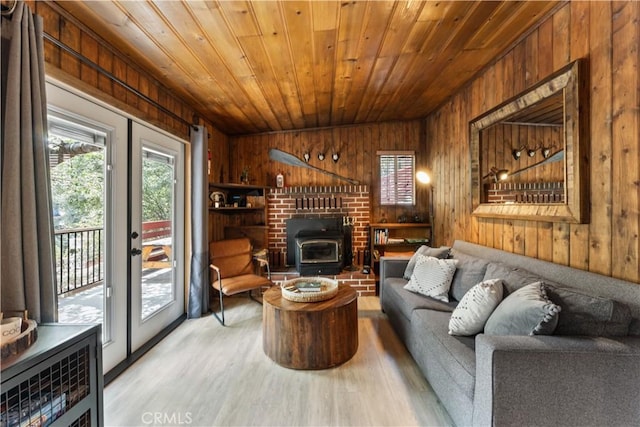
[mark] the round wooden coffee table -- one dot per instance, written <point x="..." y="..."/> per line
<point x="314" y="335"/>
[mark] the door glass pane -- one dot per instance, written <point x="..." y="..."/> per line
<point x="77" y="158"/>
<point x="157" y="288"/>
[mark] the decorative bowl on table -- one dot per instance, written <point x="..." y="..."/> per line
<point x="309" y="289"/>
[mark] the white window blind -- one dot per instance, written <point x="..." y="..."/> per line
<point x="67" y="129"/>
<point x="397" y="178"/>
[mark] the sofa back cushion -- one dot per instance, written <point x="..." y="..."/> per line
<point x="595" y="284"/>
<point x="588" y="315"/>
<point x="469" y="272"/>
<point x="513" y="278"/>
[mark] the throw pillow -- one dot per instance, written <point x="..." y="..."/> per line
<point x="589" y="315"/>
<point x="432" y="277"/>
<point x="442" y="252"/>
<point x="475" y="307"/>
<point x="471" y="270"/>
<point x="527" y="311"/>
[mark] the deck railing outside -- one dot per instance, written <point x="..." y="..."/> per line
<point x="80" y="254"/>
<point x="79" y="258"/>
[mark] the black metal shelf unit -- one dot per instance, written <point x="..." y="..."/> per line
<point x="57" y="381"/>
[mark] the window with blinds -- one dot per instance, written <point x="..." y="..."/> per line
<point x="397" y="184"/>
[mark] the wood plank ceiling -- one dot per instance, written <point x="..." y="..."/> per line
<point x="256" y="66"/>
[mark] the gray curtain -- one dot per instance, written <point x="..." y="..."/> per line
<point x="199" y="284"/>
<point x="28" y="279"/>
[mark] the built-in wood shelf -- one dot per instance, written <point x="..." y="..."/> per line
<point x="397" y="237"/>
<point x="229" y="222"/>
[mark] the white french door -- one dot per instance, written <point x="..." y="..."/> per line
<point x="119" y="208"/>
<point x="88" y="208"/>
<point x="157" y="224"/>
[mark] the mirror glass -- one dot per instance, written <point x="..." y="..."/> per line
<point x="529" y="156"/>
<point x="522" y="156"/>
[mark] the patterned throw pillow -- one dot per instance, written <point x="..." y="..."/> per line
<point x="432" y="277"/>
<point x="442" y="252"/>
<point x="475" y="307"/>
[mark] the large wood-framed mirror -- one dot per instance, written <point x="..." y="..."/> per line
<point x="529" y="155"/>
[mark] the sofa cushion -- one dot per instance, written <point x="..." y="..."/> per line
<point x="469" y="271"/>
<point x="587" y="314"/>
<point x="513" y="277"/>
<point x="398" y="304"/>
<point x="431" y="342"/>
<point x="475" y="307"/>
<point x="406" y="301"/>
<point x="432" y="277"/>
<point x="442" y="252"/>
<point x="527" y="311"/>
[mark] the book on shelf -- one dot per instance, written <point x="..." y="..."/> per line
<point x="381" y="236"/>
<point x="41" y="409"/>
<point x="422" y="240"/>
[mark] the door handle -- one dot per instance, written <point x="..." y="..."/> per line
<point x="135" y="251"/>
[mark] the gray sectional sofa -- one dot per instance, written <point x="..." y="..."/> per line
<point x="543" y="380"/>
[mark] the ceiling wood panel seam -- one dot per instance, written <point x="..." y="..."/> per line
<point x="358" y="111"/>
<point x="240" y="84"/>
<point x="153" y="40"/>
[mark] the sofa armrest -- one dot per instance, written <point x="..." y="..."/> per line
<point x="391" y="267"/>
<point x="553" y="380"/>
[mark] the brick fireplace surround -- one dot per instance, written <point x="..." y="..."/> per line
<point x="320" y="202"/>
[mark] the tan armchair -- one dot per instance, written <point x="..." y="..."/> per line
<point x="234" y="271"/>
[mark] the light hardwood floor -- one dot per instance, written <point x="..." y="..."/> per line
<point x="204" y="374"/>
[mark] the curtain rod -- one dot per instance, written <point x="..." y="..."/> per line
<point x="108" y="74"/>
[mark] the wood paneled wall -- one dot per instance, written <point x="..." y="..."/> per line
<point x="608" y="35"/>
<point x="357" y="146"/>
<point x="65" y="67"/>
